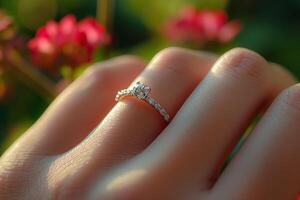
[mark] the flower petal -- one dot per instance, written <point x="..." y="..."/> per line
<point x="229" y="31"/>
<point x="95" y="32"/>
<point x="211" y="22"/>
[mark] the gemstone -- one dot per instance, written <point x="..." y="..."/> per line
<point x="151" y="101"/>
<point x="141" y="90"/>
<point x="163" y="112"/>
<point x="157" y="106"/>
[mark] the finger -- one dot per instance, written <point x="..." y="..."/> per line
<point x="131" y="125"/>
<point x="204" y="132"/>
<point x="267" y="166"/>
<point x="81" y="106"/>
<point x="283" y="77"/>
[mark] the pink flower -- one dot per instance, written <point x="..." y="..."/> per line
<point x="93" y="31"/>
<point x="202" y="26"/>
<point x="67" y="42"/>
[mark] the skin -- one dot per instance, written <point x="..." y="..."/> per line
<point x="133" y="154"/>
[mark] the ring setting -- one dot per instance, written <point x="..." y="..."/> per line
<point x="142" y="92"/>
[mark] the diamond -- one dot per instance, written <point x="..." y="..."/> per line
<point x="163" y="112"/>
<point x="141" y="90"/>
<point x="157" y="106"/>
<point x="151" y="101"/>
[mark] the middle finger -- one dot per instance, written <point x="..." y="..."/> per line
<point x="193" y="147"/>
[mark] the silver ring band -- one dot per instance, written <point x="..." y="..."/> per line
<point x="142" y="91"/>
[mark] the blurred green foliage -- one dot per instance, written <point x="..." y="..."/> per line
<point x="272" y="28"/>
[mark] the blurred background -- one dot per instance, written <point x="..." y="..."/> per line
<point x="45" y="45"/>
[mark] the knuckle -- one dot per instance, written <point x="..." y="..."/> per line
<point x="177" y="60"/>
<point x="98" y="71"/>
<point x="290" y="98"/>
<point x="243" y="62"/>
<point x="104" y="74"/>
<point x="171" y="53"/>
<point x="132" y="60"/>
<point x="110" y="65"/>
<point x="97" y="76"/>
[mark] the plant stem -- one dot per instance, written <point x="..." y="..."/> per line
<point x="105" y="13"/>
<point x="105" y="9"/>
<point x="29" y="75"/>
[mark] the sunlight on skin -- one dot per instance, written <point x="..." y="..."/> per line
<point x="124" y="179"/>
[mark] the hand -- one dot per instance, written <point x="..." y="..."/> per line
<point x="134" y="154"/>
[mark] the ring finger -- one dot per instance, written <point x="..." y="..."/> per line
<point x="132" y="125"/>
